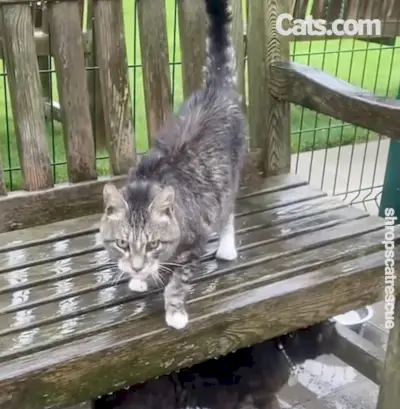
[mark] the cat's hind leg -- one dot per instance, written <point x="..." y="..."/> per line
<point x="227" y="247"/>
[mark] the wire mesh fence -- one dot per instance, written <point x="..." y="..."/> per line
<point x="343" y="160"/>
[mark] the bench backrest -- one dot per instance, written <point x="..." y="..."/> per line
<point x="95" y="104"/>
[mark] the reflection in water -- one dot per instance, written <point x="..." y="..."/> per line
<point x="16" y="257"/>
<point x="64" y="286"/>
<point x="62" y="266"/>
<point x="61" y="246"/>
<point x="22" y="318"/>
<point x="66" y="307"/>
<point x="24" y="338"/>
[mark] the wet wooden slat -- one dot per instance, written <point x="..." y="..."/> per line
<point x="257" y="203"/>
<point x="253" y="242"/>
<point x="107" y="307"/>
<point x="221" y="322"/>
<point x="69" y="322"/>
<point x="114" y="81"/>
<point x="155" y="60"/>
<point x="30" y="236"/>
<point x="67" y="49"/>
<point x="192" y="34"/>
<point x="316" y="90"/>
<point x="26" y="96"/>
<point x="287" y="243"/>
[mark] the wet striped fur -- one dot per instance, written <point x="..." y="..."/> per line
<point x="184" y="189"/>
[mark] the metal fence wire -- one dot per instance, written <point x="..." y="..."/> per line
<point x="343" y="160"/>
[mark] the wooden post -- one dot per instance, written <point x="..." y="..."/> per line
<point x="42" y="23"/>
<point x="238" y="44"/>
<point x="256" y="69"/>
<point x="192" y="30"/>
<point x="114" y="80"/>
<point x="26" y="96"/>
<point x="155" y="61"/>
<point x="276" y="146"/>
<point x="389" y="393"/>
<point x="300" y="8"/>
<point x="93" y="81"/>
<point x="269" y="116"/>
<point x="68" y="51"/>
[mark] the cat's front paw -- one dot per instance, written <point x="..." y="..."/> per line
<point x="139" y="286"/>
<point x="177" y="319"/>
<point x="226" y="251"/>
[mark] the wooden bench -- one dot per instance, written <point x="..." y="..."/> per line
<point x="70" y="330"/>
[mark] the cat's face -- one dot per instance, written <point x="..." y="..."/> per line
<point x="139" y="233"/>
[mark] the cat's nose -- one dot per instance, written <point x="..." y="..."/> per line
<point x="137" y="263"/>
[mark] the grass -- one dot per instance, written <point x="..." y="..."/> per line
<point x="374" y="67"/>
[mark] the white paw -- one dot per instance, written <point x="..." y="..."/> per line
<point x="177" y="319"/>
<point x="226" y="251"/>
<point x="137" y="285"/>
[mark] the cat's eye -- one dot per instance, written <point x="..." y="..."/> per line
<point x="122" y="244"/>
<point x="152" y="245"/>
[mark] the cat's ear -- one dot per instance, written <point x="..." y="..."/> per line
<point x="115" y="205"/>
<point x="163" y="203"/>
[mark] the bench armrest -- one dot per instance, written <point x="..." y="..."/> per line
<point x="323" y="93"/>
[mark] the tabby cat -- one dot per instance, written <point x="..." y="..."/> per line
<point x="184" y="189"/>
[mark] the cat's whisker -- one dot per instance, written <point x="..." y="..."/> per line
<point x="164" y="268"/>
<point x="117" y="278"/>
<point x="158" y="278"/>
<point x="172" y="264"/>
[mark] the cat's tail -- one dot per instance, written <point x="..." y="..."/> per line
<point x="220" y="64"/>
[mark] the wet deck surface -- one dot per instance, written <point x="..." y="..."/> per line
<point x="70" y="330"/>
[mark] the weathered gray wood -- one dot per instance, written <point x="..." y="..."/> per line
<point x="20" y="210"/>
<point x="49" y="233"/>
<point x="40" y="18"/>
<point x="192" y="33"/>
<point x="316" y="90"/>
<point x="67" y="45"/>
<point x="25" y="209"/>
<point x="253" y="241"/>
<point x="359" y="353"/>
<point x="390" y="29"/>
<point x="275" y="144"/>
<point x="256" y="73"/>
<point x="93" y="81"/>
<point x="324" y="291"/>
<point x="155" y="61"/>
<point x="26" y="96"/>
<point x="114" y="80"/>
<point x="238" y="43"/>
<point x="299" y="8"/>
<point x="389" y="393"/>
<point x="298" y="250"/>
